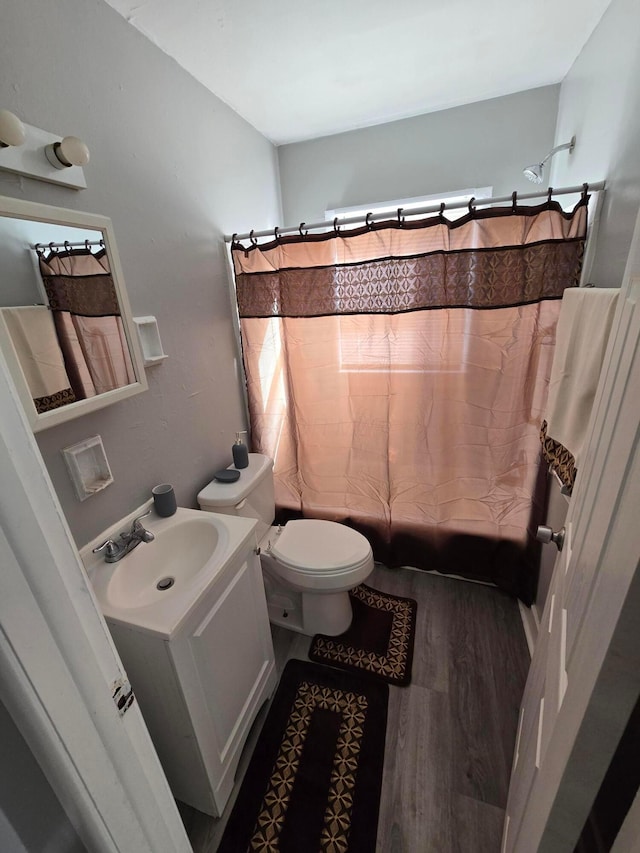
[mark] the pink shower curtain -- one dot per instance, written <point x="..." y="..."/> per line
<point x="397" y="374"/>
<point x="84" y="303"/>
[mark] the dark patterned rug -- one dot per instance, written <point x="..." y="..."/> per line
<point x="379" y="641"/>
<point x="313" y="782"/>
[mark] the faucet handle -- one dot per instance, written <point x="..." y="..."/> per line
<point x="135" y="525"/>
<point x="137" y="528"/>
<point x="109" y="547"/>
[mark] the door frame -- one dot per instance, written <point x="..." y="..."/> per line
<point x="603" y="666"/>
<point x="58" y="665"/>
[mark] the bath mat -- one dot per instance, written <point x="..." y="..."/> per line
<point x="379" y="641"/>
<point x="313" y="782"/>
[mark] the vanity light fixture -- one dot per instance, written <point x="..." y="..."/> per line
<point x="535" y="171"/>
<point x="27" y="150"/>
<point x="12" y="132"/>
<point x="71" y="151"/>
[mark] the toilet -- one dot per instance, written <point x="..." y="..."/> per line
<point x="308" y="565"/>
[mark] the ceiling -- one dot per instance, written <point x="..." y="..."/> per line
<point x="299" y="69"/>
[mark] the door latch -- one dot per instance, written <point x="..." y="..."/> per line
<point x="123" y="695"/>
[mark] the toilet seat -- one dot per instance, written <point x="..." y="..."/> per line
<point x="316" y="547"/>
<point x="317" y="556"/>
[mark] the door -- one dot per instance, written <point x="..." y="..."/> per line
<point x="58" y="666"/>
<point x="585" y="673"/>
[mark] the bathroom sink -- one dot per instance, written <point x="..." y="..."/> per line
<point x="158" y="569"/>
<point x="156" y="585"/>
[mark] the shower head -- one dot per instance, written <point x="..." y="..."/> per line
<point x="536" y="170"/>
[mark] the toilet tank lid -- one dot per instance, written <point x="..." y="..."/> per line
<point x="229" y="494"/>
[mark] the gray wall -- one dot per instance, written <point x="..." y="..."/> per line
<point x="482" y="144"/>
<point x="174" y="168"/>
<point x="31" y="817"/>
<point x="600" y="104"/>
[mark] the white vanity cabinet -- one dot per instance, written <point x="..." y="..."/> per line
<point x="200" y="688"/>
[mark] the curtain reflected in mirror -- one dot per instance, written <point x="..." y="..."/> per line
<point x="86" y="315"/>
<point x="71" y="345"/>
<point x="74" y="347"/>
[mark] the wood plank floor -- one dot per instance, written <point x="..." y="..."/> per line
<point x="450" y="734"/>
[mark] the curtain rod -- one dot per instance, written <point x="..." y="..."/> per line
<point x="66" y="245"/>
<point x="418" y="211"/>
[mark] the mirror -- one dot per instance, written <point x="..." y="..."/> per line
<point x="66" y="330"/>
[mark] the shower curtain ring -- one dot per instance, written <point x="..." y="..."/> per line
<point x="335" y="226"/>
<point x="441" y="211"/>
<point x="254" y="242"/>
<point x="39" y="249"/>
<point x="400" y="216"/>
<point x="471" y="207"/>
<point x="233" y="237"/>
<point x="87" y="247"/>
<point x="514" y="200"/>
<point x="67" y="246"/>
<point x="300" y="227"/>
<point x="585" y="190"/>
<point x="367" y="220"/>
<point x="276" y="234"/>
<point x="549" y="194"/>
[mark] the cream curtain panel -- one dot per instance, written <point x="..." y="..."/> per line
<point x="397" y="375"/>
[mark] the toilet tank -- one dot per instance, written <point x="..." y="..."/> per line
<point x="250" y="497"/>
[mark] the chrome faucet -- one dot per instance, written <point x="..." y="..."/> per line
<point x="116" y="550"/>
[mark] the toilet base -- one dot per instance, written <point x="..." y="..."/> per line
<point x="328" y="613"/>
<point x="284" y="610"/>
<point x="306" y="612"/>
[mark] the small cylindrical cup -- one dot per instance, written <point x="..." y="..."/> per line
<point x="164" y="499"/>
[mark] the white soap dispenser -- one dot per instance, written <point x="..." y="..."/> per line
<point x="240" y="452"/>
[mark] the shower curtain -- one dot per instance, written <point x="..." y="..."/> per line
<point x="84" y="304"/>
<point x="396" y="374"/>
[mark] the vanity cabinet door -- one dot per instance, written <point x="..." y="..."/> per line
<point x="227" y="669"/>
<point x="233" y="651"/>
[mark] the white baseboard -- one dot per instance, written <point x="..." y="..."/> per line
<point x="531" y="624"/>
<point x="529" y="615"/>
<point x="444" y="575"/>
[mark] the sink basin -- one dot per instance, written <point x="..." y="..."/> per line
<point x="178" y="553"/>
<point x="158" y="583"/>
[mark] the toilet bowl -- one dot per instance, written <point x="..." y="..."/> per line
<point x="308" y="565"/>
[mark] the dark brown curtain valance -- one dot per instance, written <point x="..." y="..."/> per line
<point x="475" y="278"/>
<point x="81" y="283"/>
<point x="91" y="296"/>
